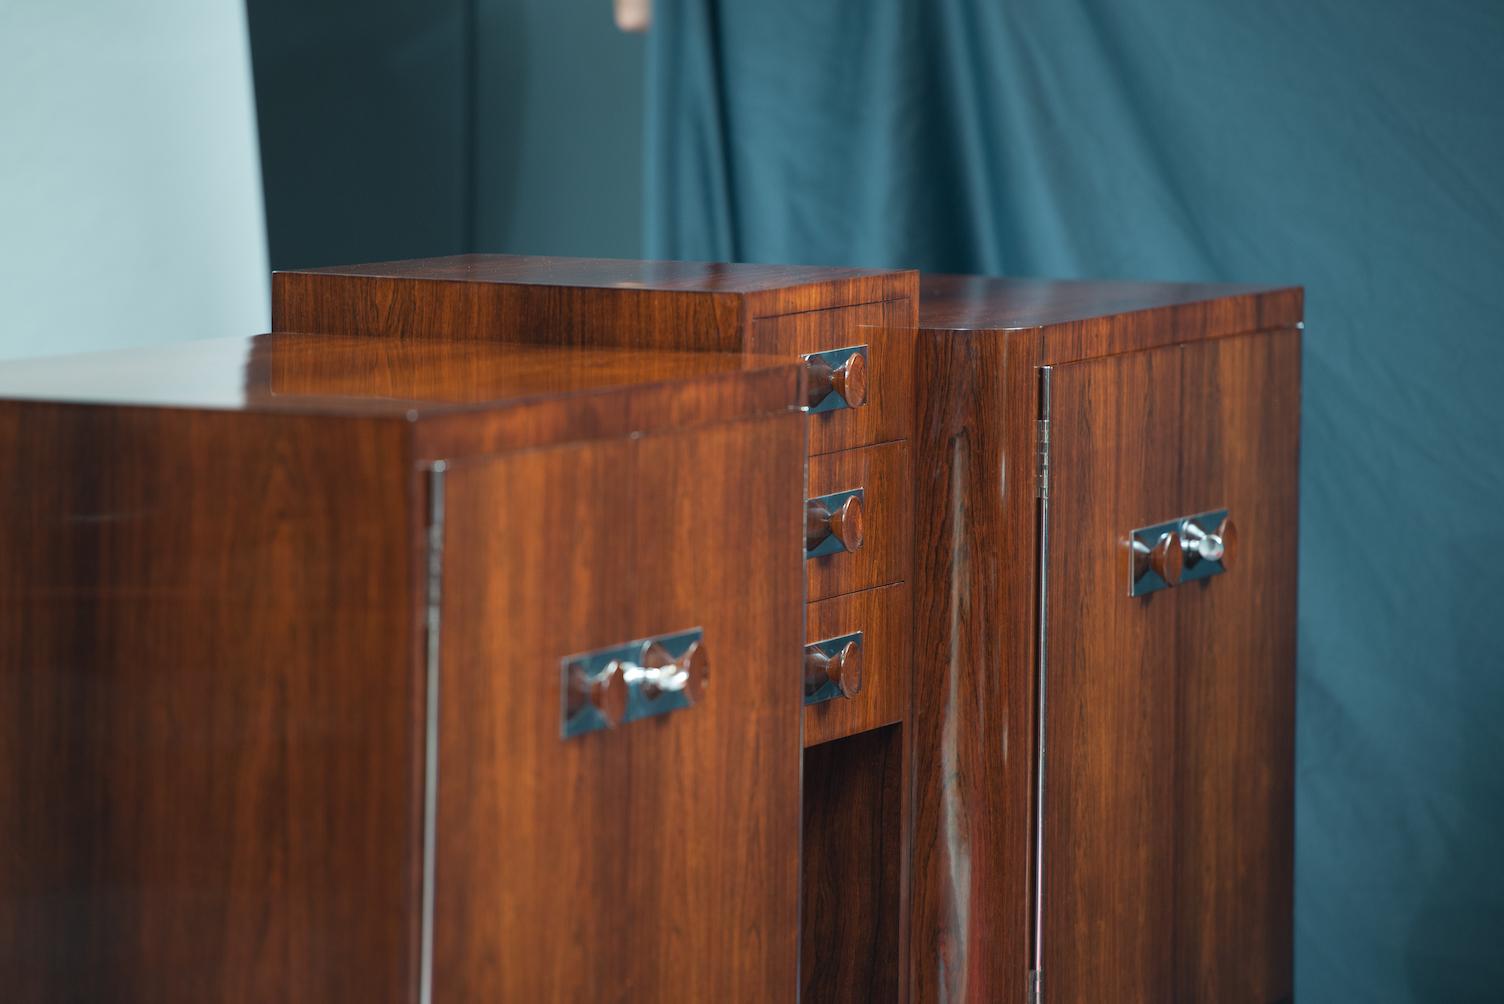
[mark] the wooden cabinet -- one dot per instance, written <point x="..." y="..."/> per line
<point x="528" y="629"/>
<point x="1055" y="420"/>
<point x="284" y="641"/>
<point x="854" y="332"/>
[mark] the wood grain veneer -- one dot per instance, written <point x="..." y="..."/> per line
<point x="1110" y="827"/>
<point x="1081" y="319"/>
<point x="206" y="708"/>
<point x="852" y="946"/>
<point x="1235" y="728"/>
<point x="213" y="646"/>
<point x="980" y="346"/>
<point x="655" y="861"/>
<point x="771" y="310"/>
<point x="763" y="309"/>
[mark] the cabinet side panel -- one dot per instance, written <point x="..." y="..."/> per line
<point x="972" y="718"/>
<point x="548" y="315"/>
<point x="1236" y="649"/>
<point x="1109" y="821"/>
<point x="205" y="694"/>
<point x="657" y="860"/>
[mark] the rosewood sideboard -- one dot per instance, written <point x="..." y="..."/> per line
<point x="549" y="629"/>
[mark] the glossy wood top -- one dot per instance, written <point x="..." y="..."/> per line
<point x="611" y="273"/>
<point x="977" y="302"/>
<point x="1084" y="319"/>
<point x="373" y="376"/>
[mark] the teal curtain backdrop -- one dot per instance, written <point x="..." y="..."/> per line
<point x="400" y="129"/>
<point x="1354" y="148"/>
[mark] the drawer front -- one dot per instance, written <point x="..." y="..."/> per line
<point x="887" y="330"/>
<point x="883" y="617"/>
<point x="883" y="476"/>
<point x="569" y="868"/>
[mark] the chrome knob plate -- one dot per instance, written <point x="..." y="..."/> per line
<point x="663" y="673"/>
<point x="1203" y="552"/>
<point x="830" y="648"/>
<point x="830" y="543"/>
<point x="831" y="361"/>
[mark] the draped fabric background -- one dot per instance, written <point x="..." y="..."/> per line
<point x="1354" y="148"/>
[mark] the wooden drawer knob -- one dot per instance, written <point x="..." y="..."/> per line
<point x="849" y="380"/>
<point x="607" y="692"/>
<point x="844" y="669"/>
<point x="844" y="523"/>
<point x="1165" y="558"/>
<point x="1227" y="533"/>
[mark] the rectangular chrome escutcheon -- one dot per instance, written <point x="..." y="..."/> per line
<point x="1179" y="551"/>
<point x="828" y="373"/>
<point x="622" y="683"/>
<point x="829" y="662"/>
<point x="826" y="507"/>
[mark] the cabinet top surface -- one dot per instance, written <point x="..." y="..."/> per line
<point x="611" y="273"/>
<point x="379" y="376"/>
<point x="976" y="303"/>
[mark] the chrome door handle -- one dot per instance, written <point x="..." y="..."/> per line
<point x="1180" y="550"/>
<point x="642" y="678"/>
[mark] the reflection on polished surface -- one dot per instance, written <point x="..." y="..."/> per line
<point x="979" y="302"/>
<point x="365" y="375"/>
<point x="600" y="273"/>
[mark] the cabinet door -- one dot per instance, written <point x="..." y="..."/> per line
<point x="1235" y="652"/>
<point x="1169" y="723"/>
<point x="656" y="860"/>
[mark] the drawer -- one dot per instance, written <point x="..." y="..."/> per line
<point x="886" y="329"/>
<point x="883" y="475"/>
<point x="883" y="617"/>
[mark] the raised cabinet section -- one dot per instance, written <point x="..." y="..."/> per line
<point x="1168" y="809"/>
<point x="852" y="332"/>
<point x="652" y="860"/>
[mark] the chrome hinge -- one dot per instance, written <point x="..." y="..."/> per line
<point x="1036" y="987"/>
<point x="1042" y="458"/>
